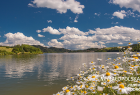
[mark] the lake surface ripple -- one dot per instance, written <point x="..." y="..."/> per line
<point x="43" y="74"/>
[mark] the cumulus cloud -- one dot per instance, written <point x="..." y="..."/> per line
<point x="60" y="5"/>
<point x="38" y="31"/>
<point x="134" y="4"/>
<point x="51" y="30"/>
<point x="71" y="30"/>
<point x="120" y="14"/>
<point x="49" y="21"/>
<point x="76" y="18"/>
<point x="55" y="43"/>
<point x="39" y="35"/>
<point x="73" y="38"/>
<point x="19" y="38"/>
<point x="116" y="33"/>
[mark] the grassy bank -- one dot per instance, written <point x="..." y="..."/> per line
<point x="19" y="49"/>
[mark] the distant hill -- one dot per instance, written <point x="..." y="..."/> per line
<point x="37" y="49"/>
<point x="135" y="47"/>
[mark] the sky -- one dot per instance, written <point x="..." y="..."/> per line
<point x="70" y="24"/>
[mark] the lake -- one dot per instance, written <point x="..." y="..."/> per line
<point x="43" y="74"/>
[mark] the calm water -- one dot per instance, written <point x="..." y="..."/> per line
<point x="43" y="74"/>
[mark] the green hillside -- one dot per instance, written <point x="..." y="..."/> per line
<point x="19" y="49"/>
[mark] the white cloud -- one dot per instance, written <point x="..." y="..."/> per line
<point x="116" y="33"/>
<point x="134" y="4"/>
<point x="112" y="17"/>
<point x="76" y="18"/>
<point x="19" y="38"/>
<point x="101" y="42"/>
<point x="38" y="31"/>
<point x="120" y="14"/>
<point x="0" y="35"/>
<point x="71" y="30"/>
<point x="115" y="23"/>
<point x="120" y="43"/>
<point x="51" y="30"/>
<point x="60" y="5"/>
<point x="55" y="43"/>
<point x="73" y="38"/>
<point x="49" y="21"/>
<point x="98" y="14"/>
<point x="39" y="35"/>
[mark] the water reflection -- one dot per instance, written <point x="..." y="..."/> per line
<point x="44" y="70"/>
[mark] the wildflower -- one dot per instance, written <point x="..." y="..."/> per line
<point x="99" y="88"/>
<point x="99" y="59"/>
<point x="59" y="93"/>
<point x="65" y="88"/>
<point x="68" y="92"/>
<point x="130" y="43"/>
<point x="92" y="62"/>
<point x="121" y="89"/>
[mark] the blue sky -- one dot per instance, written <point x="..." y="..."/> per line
<point x="71" y="24"/>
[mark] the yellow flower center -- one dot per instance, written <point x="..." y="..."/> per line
<point x="93" y="68"/>
<point x="113" y="64"/>
<point x="91" y="87"/>
<point x="71" y="87"/>
<point x="124" y="71"/>
<point x="93" y="76"/>
<point x="121" y="86"/>
<point x="132" y="65"/>
<point x="81" y="86"/>
<point x="119" y="63"/>
<point x="86" y="86"/>
<point x="107" y="74"/>
<point x="85" y="92"/>
<point x="104" y="83"/>
<point x="67" y="91"/>
<point x="136" y="57"/>
<point x="108" y="80"/>
<point x="58" y="94"/>
<point x="114" y="73"/>
<point x="116" y="67"/>
<point x="93" y="90"/>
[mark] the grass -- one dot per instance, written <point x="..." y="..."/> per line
<point x="7" y="49"/>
